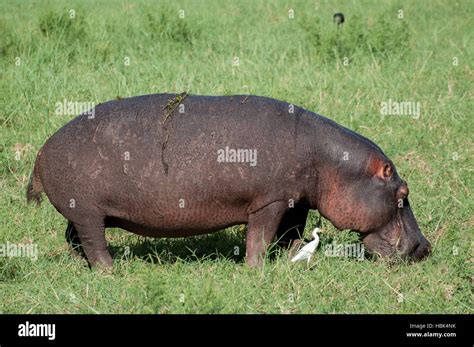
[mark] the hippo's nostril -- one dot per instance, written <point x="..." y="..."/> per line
<point x="403" y="191"/>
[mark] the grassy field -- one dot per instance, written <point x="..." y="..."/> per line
<point x="93" y="51"/>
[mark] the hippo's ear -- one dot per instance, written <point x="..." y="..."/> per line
<point x="380" y="168"/>
<point x="387" y="171"/>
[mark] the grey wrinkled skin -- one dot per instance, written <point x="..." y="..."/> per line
<point x="150" y="169"/>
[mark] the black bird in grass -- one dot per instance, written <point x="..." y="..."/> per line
<point x="338" y="18"/>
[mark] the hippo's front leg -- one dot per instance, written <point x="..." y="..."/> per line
<point x="291" y="228"/>
<point x="261" y="229"/>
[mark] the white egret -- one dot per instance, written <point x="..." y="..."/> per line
<point x="307" y="251"/>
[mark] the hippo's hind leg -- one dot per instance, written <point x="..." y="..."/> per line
<point x="292" y="225"/>
<point x="94" y="245"/>
<point x="261" y="229"/>
<point x="74" y="242"/>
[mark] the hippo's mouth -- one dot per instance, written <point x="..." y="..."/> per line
<point x="400" y="237"/>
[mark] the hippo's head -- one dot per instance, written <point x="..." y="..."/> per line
<point x="368" y="196"/>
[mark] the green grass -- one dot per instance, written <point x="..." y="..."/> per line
<point x="299" y="60"/>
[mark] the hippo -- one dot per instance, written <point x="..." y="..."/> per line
<point x="178" y="165"/>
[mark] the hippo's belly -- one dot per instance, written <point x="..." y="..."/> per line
<point x="180" y="224"/>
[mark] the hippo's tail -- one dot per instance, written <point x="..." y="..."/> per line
<point x="35" y="188"/>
